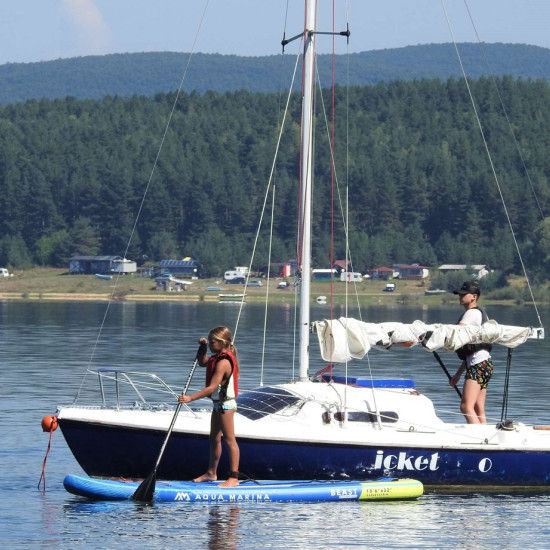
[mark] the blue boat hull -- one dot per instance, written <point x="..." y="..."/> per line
<point x="105" y="451"/>
<point x="264" y="491"/>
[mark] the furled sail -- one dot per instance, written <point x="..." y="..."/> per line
<point x="343" y="339"/>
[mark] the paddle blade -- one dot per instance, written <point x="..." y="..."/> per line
<point x="146" y="489"/>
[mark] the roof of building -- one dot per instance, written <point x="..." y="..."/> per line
<point x="178" y="263"/>
<point x="410" y="266"/>
<point x="96" y="258"/>
<point x="381" y="269"/>
<point x="342" y="263"/>
<point x="459" y="267"/>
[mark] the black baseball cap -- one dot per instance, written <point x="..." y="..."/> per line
<point x="469" y="287"/>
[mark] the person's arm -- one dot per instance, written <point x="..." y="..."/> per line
<point x="202" y="355"/>
<point x="454" y="379"/>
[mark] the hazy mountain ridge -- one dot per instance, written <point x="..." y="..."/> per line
<point x="147" y="74"/>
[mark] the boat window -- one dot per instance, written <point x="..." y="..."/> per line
<point x="385" y="416"/>
<point x="260" y="402"/>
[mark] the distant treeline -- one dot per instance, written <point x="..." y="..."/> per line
<point x="125" y="75"/>
<point x="73" y="174"/>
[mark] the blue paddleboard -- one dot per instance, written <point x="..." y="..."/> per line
<point x="261" y="491"/>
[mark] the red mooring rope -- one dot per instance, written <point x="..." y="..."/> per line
<point x="49" y="424"/>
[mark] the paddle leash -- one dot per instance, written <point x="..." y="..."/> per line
<point x="436" y="355"/>
<point x="146" y="489"/>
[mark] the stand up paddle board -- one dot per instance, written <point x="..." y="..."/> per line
<point x="248" y="491"/>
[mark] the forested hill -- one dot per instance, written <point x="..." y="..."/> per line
<point x="73" y="175"/>
<point x="125" y="75"/>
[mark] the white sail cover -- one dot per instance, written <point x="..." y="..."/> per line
<point x="343" y="339"/>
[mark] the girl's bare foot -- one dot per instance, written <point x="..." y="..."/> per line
<point x="230" y="482"/>
<point x="205" y="477"/>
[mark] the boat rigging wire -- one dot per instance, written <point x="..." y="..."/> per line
<point x="144" y="195"/>
<point x="488" y="152"/>
<point x="264" y="336"/>
<point x="509" y="123"/>
<point x="266" y="195"/>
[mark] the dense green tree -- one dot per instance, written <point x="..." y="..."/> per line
<point x="14" y="252"/>
<point x="87" y="176"/>
<point x="55" y="249"/>
<point x="85" y="240"/>
<point x="162" y="245"/>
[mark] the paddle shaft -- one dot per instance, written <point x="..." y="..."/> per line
<point x="176" y="412"/>
<point x="436" y="355"/>
<point x="146" y="489"/>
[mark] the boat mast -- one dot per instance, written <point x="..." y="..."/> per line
<point x="306" y="181"/>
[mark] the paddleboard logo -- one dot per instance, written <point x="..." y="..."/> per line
<point x="404" y="461"/>
<point x="344" y="493"/>
<point x="219" y="497"/>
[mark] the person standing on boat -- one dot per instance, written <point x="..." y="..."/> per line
<point x="222" y="372"/>
<point x="476" y="358"/>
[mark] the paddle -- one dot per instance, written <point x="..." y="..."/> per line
<point x="436" y="355"/>
<point x="146" y="489"/>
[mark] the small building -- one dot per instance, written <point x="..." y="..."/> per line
<point x="383" y="273"/>
<point x="342" y="266"/>
<point x="323" y="274"/>
<point x="101" y="264"/>
<point x="477" y="270"/>
<point x="276" y="269"/>
<point x="171" y="284"/>
<point x="413" y="271"/>
<point x="124" y="266"/>
<point x="185" y="269"/>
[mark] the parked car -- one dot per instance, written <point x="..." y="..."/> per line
<point x="236" y="281"/>
<point x="283" y="284"/>
<point x="255" y="283"/>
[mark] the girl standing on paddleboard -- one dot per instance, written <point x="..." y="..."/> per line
<point x="222" y="372"/>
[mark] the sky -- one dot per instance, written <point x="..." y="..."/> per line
<point x="42" y="30"/>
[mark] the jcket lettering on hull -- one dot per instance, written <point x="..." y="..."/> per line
<point x="404" y="461"/>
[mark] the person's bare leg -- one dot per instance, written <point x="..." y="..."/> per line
<point x="470" y="395"/>
<point x="480" y="406"/>
<point x="215" y="449"/>
<point x="228" y="430"/>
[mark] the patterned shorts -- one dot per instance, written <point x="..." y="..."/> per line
<point x="481" y="372"/>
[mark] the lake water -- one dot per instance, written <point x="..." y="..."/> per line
<point x="46" y="347"/>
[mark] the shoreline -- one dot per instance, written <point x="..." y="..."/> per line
<point x="56" y="284"/>
<point x="419" y="300"/>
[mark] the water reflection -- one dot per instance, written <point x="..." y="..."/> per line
<point x="222" y="525"/>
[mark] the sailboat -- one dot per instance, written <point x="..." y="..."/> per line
<point x="325" y="428"/>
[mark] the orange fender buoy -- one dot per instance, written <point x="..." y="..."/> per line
<point x="49" y="423"/>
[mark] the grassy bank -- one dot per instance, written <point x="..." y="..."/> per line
<point x="49" y="283"/>
<point x="58" y="284"/>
